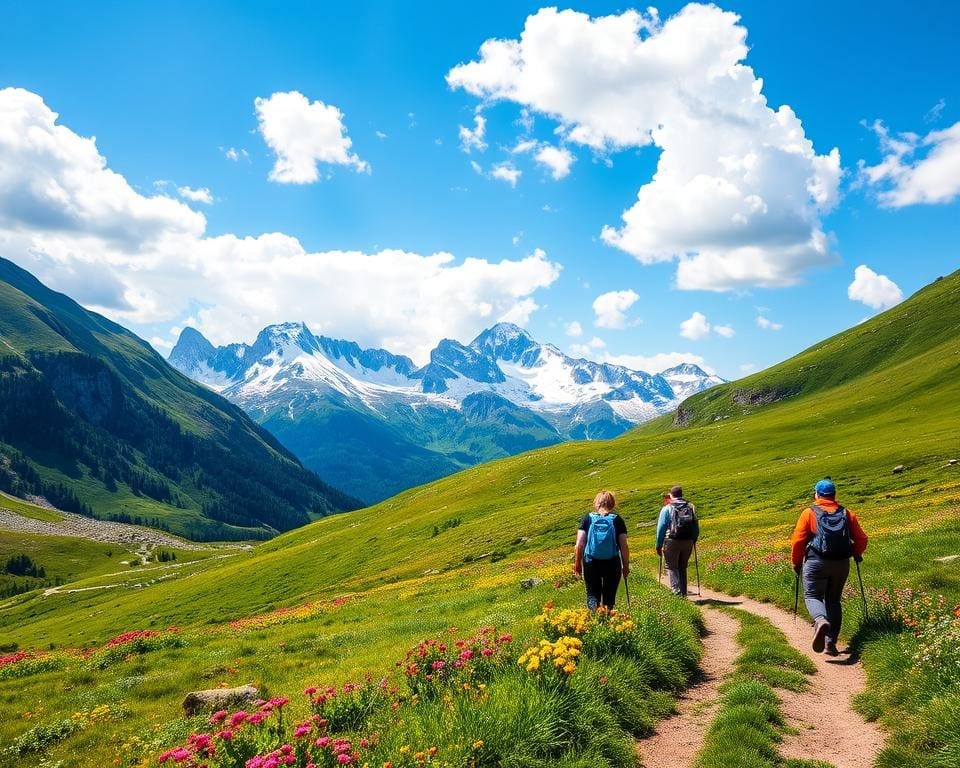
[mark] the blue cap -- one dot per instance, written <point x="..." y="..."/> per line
<point x="825" y="488"/>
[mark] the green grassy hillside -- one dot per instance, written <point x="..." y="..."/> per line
<point x="453" y="551"/>
<point x="93" y="419"/>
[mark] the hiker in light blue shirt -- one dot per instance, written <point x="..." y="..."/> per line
<point x="677" y="531"/>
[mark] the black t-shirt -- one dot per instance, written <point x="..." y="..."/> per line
<point x="618" y="525"/>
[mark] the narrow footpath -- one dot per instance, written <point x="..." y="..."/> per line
<point x="825" y="726"/>
<point x="678" y="738"/>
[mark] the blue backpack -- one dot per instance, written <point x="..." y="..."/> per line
<point x="832" y="540"/>
<point x="601" y="537"/>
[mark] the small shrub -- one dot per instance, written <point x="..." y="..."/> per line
<point x="42" y="736"/>
<point x="350" y="706"/>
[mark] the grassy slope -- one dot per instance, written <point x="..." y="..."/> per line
<point x="749" y="475"/>
<point x="34" y="319"/>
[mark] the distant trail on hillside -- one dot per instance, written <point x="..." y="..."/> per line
<point x="825" y="725"/>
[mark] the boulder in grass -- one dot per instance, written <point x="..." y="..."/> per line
<point x="530" y="583"/>
<point x="218" y="698"/>
<point x="898" y="469"/>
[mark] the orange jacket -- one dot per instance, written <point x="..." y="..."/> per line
<point x="806" y="529"/>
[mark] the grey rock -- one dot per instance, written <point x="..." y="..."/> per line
<point x="898" y="469"/>
<point x="530" y="583"/>
<point x="218" y="698"/>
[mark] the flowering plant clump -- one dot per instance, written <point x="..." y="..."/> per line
<point x="408" y="758"/>
<point x="603" y="631"/>
<point x="26" y="663"/>
<point x="555" y="660"/>
<point x="352" y="705"/>
<point x="245" y="739"/>
<point x="934" y="624"/>
<point x="434" y="666"/>
<point x="292" y="615"/>
<point x="568" y="621"/>
<point x="45" y="735"/>
<point x="131" y="643"/>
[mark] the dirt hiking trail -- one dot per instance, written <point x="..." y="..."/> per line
<point x="825" y="726"/>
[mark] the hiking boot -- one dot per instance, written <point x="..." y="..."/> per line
<point x="831" y="649"/>
<point x="820" y="629"/>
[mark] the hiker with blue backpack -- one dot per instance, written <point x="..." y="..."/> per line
<point x="601" y="555"/>
<point x="677" y="532"/>
<point x="825" y="538"/>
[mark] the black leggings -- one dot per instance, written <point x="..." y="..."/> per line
<point x="602" y="578"/>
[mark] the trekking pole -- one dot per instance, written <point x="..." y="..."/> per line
<point x="626" y="582"/>
<point x="660" y="571"/>
<point x="696" y="562"/>
<point x="796" y="596"/>
<point x="863" y="595"/>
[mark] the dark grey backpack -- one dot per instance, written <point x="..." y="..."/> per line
<point x="683" y="520"/>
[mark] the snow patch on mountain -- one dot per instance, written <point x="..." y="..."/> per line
<point x="503" y="360"/>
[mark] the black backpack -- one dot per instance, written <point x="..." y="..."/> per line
<point x="683" y="519"/>
<point x="832" y="540"/>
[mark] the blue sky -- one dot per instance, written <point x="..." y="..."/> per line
<point x="169" y="92"/>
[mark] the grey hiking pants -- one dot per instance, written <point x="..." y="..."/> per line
<point x="823" y="582"/>
<point x="676" y="556"/>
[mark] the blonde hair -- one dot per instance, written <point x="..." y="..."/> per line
<point x="604" y="500"/>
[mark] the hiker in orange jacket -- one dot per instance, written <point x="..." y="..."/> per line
<point x="825" y="538"/>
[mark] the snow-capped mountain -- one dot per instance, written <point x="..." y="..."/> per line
<point x="373" y="423"/>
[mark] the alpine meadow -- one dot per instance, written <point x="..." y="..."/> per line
<point x="446" y="560"/>
<point x="479" y="386"/>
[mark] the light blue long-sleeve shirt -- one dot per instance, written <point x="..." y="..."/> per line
<point x="664" y="525"/>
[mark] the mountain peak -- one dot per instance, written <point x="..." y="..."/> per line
<point x="282" y="336"/>
<point x="503" y="341"/>
<point x="190" y="349"/>
<point x="685" y="369"/>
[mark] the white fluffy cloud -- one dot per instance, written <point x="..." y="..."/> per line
<point x="82" y="229"/>
<point x="876" y="291"/>
<point x="303" y="133"/>
<point x="507" y="172"/>
<point x="472" y="138"/>
<point x="767" y="324"/>
<point x="234" y="154"/>
<point x="574" y="329"/>
<point x="201" y="195"/>
<point x="698" y="327"/>
<point x="739" y="190"/>
<point x="695" y="327"/>
<point x="658" y="362"/>
<point x="556" y="159"/>
<point x="610" y="308"/>
<point x="724" y="330"/>
<point x="916" y="169"/>
<point x="589" y="349"/>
